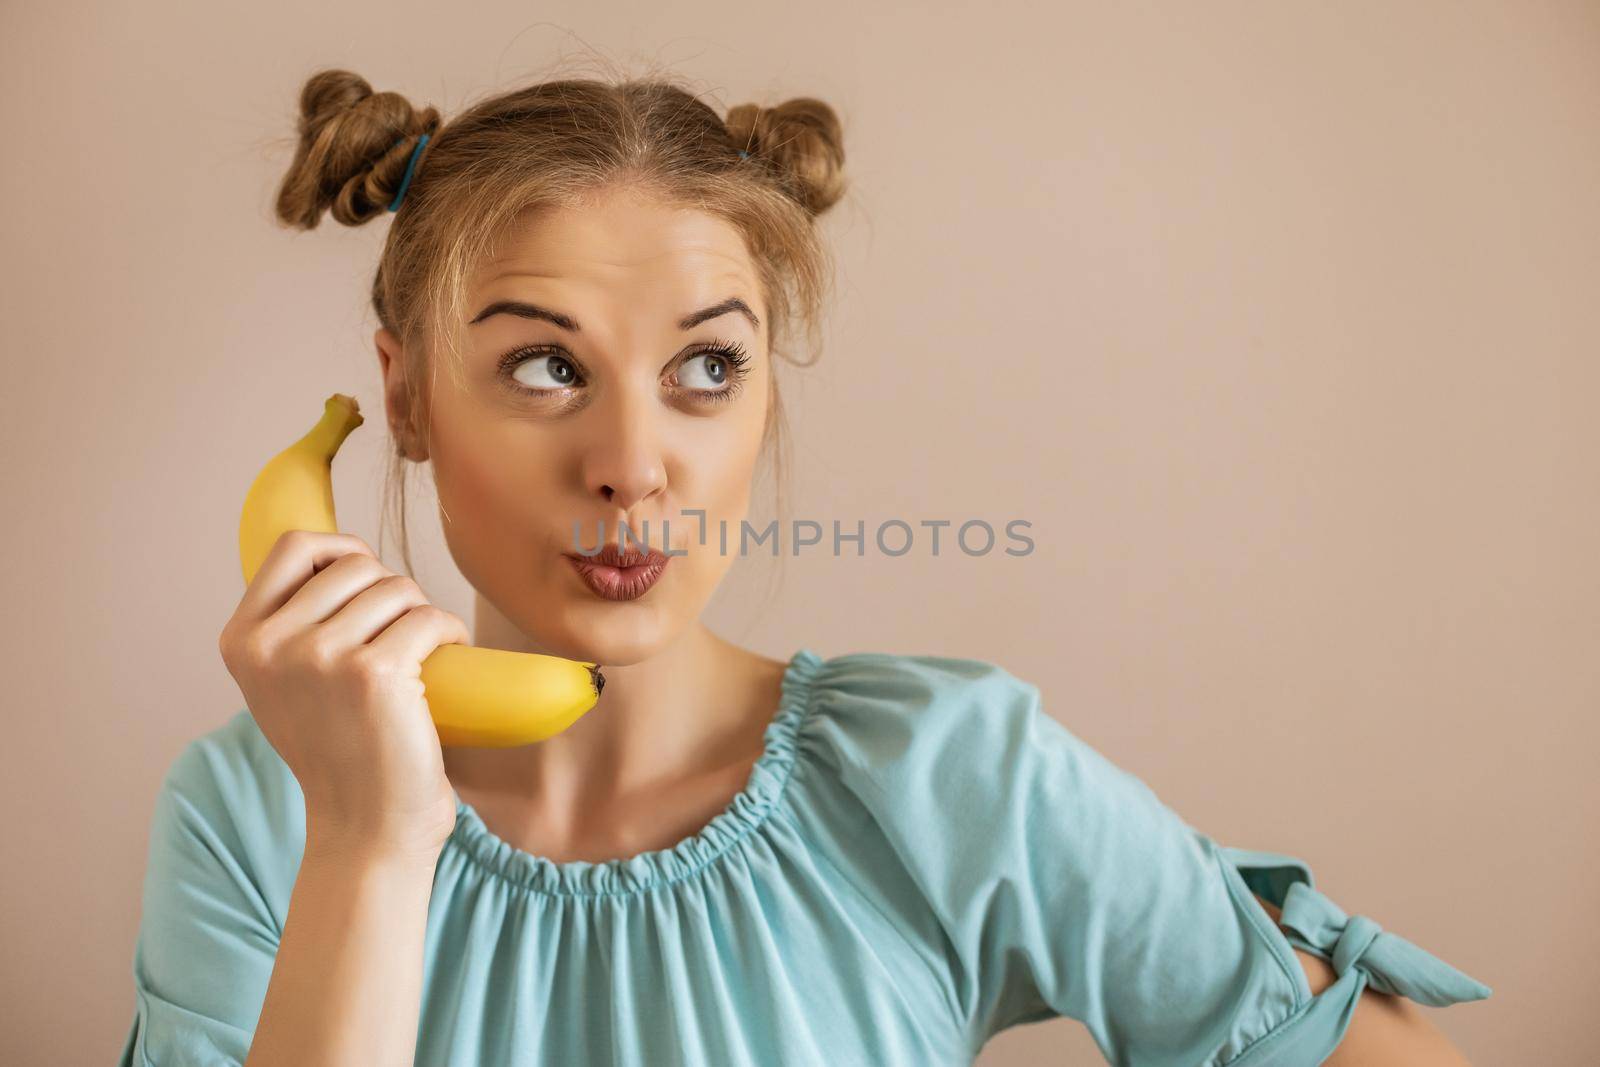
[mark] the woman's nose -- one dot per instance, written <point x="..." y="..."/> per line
<point x="627" y="488"/>
<point x="623" y="464"/>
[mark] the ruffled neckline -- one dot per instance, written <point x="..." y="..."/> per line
<point x="644" y="870"/>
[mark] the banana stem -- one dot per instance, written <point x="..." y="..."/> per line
<point x="340" y="415"/>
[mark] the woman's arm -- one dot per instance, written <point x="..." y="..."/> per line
<point x="347" y="983"/>
<point x="1385" y="1030"/>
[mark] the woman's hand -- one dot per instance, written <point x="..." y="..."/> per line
<point x="327" y="646"/>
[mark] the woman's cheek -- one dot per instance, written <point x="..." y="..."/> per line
<point x="725" y="476"/>
<point x="489" y="501"/>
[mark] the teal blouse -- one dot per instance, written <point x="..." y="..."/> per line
<point x="921" y="857"/>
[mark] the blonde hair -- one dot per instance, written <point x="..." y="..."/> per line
<point x="554" y="144"/>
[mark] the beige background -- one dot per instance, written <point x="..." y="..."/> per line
<point x="1275" y="320"/>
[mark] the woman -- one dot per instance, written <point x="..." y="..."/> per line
<point x="864" y="859"/>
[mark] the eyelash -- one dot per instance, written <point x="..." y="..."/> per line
<point x="731" y="352"/>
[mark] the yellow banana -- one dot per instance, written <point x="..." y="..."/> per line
<point x="482" y="697"/>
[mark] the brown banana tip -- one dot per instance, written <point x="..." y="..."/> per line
<point x="599" y="679"/>
<point x="350" y="404"/>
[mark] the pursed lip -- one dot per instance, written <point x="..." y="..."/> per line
<point x="613" y="574"/>
<point x="612" y="556"/>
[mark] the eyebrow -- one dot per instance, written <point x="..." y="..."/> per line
<point x="525" y="310"/>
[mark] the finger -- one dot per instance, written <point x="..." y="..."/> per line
<point x="413" y="636"/>
<point x="330" y="590"/>
<point x="372" y="610"/>
<point x="294" y="557"/>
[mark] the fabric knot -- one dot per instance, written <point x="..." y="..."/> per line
<point x="1391" y="963"/>
<point x="1359" y="934"/>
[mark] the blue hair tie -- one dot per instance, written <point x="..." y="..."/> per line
<point x="410" y="166"/>
<point x="743" y="154"/>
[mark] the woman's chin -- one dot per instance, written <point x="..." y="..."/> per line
<point x="605" y="633"/>
<point x="571" y="621"/>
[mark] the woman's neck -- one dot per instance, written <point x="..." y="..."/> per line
<point x="686" y="723"/>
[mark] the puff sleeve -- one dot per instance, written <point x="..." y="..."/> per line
<point x="211" y="909"/>
<point x="1064" y="886"/>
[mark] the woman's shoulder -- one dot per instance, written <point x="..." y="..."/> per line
<point x="887" y="720"/>
<point x="232" y="766"/>
<point x="877" y="687"/>
<point x="229" y="792"/>
<point x="961" y="747"/>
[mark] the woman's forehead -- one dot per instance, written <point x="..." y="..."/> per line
<point x="620" y="235"/>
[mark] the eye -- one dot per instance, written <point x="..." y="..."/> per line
<point x="707" y="370"/>
<point x="541" y="371"/>
<point x="714" y="373"/>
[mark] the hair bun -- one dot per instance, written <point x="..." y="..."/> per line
<point x="803" y="141"/>
<point x="353" y="150"/>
